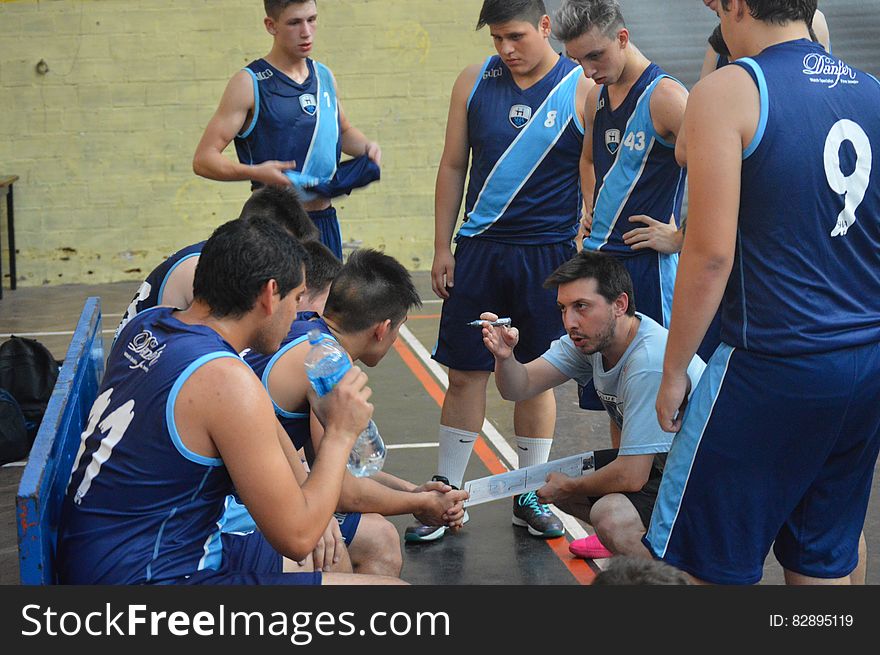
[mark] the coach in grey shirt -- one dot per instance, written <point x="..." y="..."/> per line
<point x="621" y="351"/>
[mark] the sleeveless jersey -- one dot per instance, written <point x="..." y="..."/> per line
<point x="149" y="294"/>
<point x="293" y="122"/>
<point x="524" y="183"/>
<point x="141" y="507"/>
<point x="806" y="276"/>
<point x="296" y="424"/>
<point x="636" y="171"/>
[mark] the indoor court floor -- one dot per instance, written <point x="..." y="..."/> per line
<point x="408" y="390"/>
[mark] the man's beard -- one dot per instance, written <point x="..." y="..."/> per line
<point x="602" y="340"/>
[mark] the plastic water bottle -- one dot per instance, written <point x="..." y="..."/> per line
<point x="326" y="364"/>
<point x="368" y="454"/>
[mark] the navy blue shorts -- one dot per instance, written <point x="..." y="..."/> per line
<point x="328" y="225"/>
<point x="653" y="278"/>
<point x="348" y="524"/>
<point x="772" y="449"/>
<point x="509" y="281"/>
<point x="248" y="559"/>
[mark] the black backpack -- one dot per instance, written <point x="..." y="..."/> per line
<point x="14" y="441"/>
<point x="28" y="372"/>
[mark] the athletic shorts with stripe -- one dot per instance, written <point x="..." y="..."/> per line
<point x="772" y="451"/>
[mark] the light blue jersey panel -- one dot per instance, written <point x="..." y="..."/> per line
<point x="322" y="156"/>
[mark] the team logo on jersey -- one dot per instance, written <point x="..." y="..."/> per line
<point x="144" y="351"/>
<point x="519" y="115"/>
<point x="823" y="69"/>
<point x="308" y="103"/>
<point x="612" y="140"/>
<point x="492" y="72"/>
<point x="264" y="75"/>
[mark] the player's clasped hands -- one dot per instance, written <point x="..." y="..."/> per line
<point x="329" y="548"/>
<point x="446" y="507"/>
<point x="499" y="339"/>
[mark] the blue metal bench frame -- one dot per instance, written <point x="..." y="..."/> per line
<point x="44" y="481"/>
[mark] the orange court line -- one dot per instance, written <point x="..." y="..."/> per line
<point x="422" y="316"/>
<point x="579" y="568"/>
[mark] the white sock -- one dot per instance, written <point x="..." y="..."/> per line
<point x="455" y="451"/>
<point x="532" y="451"/>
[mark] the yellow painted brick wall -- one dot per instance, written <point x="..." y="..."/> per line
<point x="103" y="141"/>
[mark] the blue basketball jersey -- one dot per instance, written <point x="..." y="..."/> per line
<point x="149" y="294"/>
<point x="296" y="424"/>
<point x="524" y="183"/>
<point x="141" y="507"/>
<point x="636" y="171"/>
<point x="293" y="122"/>
<point x="806" y="276"/>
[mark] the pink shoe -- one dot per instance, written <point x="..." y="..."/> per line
<point x="589" y="548"/>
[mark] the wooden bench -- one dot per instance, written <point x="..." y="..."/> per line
<point x="6" y="183"/>
<point x="44" y="481"/>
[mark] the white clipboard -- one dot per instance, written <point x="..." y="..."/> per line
<point x="530" y="478"/>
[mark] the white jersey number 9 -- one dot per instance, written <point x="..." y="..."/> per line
<point x="854" y="185"/>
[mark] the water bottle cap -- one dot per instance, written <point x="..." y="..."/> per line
<point x="315" y="336"/>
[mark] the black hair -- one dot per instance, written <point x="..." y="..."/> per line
<point x="275" y="7"/>
<point x="612" y="278"/>
<point x="322" y="266"/>
<point x="779" y="12"/>
<point x="370" y="288"/>
<point x="239" y="259"/>
<point x="716" y="40"/>
<point x="627" y="570"/>
<point x="577" y="17"/>
<point x="282" y="205"/>
<point x="503" y="11"/>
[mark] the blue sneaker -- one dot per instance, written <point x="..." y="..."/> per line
<point x="529" y="513"/>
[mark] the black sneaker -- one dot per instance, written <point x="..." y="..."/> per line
<point x="419" y="532"/>
<point x="529" y="513"/>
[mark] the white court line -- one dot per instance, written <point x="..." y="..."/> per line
<point x="507" y="453"/>
<point x="63" y="333"/>
<point x="15" y="464"/>
<point x="403" y="446"/>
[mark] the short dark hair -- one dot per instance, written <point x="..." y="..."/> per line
<point x="239" y="259"/>
<point x="322" y="267"/>
<point x="716" y="41"/>
<point x="627" y="570"/>
<point x="612" y="278"/>
<point x="779" y="12"/>
<point x="275" y="7"/>
<point x="577" y="17"/>
<point x="282" y="205"/>
<point x="503" y="11"/>
<point x="370" y="288"/>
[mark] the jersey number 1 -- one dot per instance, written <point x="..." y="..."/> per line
<point x="853" y="186"/>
